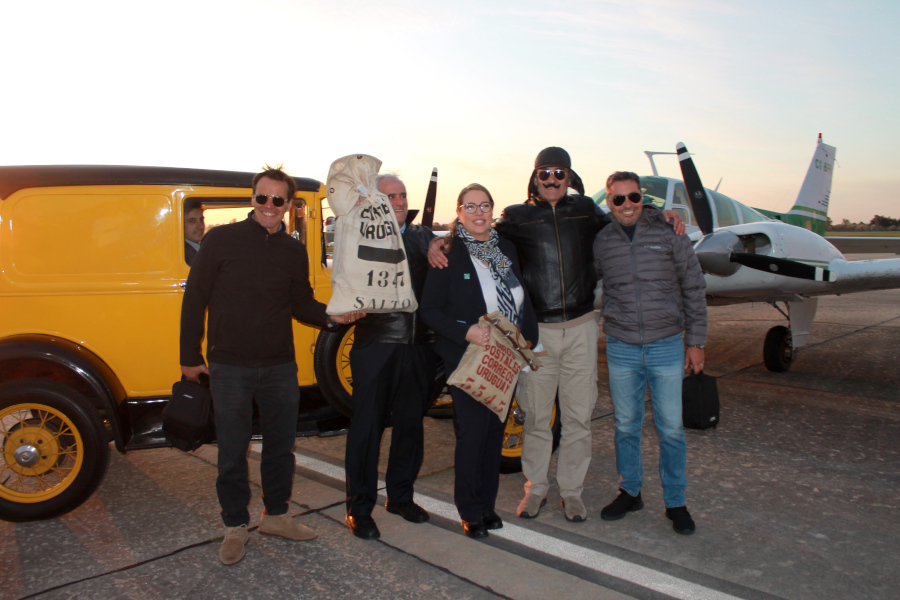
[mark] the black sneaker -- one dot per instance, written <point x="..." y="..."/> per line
<point x="621" y="506"/>
<point x="681" y="520"/>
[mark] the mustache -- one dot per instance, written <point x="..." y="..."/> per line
<point x="550" y="185"/>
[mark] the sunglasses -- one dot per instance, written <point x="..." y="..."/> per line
<point x="261" y="199"/>
<point x="545" y="174"/>
<point x="484" y="206"/>
<point x="633" y="197"/>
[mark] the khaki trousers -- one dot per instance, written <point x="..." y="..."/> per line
<point x="571" y="367"/>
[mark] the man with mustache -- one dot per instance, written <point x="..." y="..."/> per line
<point x="393" y="367"/>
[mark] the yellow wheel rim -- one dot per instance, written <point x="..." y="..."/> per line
<point x="41" y="452"/>
<point x="514" y="434"/>
<point x="343" y="361"/>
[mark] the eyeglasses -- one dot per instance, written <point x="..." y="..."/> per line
<point x="545" y="174"/>
<point x="484" y="207"/>
<point x="633" y="197"/>
<point x="261" y="199"/>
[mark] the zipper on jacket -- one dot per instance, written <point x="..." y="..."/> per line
<point x="637" y="284"/>
<point x="562" y="277"/>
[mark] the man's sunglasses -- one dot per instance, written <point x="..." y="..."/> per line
<point x="261" y="199"/>
<point x="484" y="206"/>
<point x="633" y="197"/>
<point x="545" y="174"/>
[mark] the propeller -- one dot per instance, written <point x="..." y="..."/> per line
<point x="720" y="252"/>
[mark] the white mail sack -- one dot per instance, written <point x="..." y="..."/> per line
<point x="369" y="270"/>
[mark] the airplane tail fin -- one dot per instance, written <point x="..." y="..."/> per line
<point x="811" y="208"/>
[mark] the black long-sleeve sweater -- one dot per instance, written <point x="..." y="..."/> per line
<point x="252" y="282"/>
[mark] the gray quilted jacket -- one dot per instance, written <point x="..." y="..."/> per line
<point x="653" y="287"/>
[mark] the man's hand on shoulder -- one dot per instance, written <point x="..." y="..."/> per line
<point x="674" y="219"/>
<point x="436" y="256"/>
<point x="193" y="373"/>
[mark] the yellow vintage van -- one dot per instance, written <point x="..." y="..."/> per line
<point x="92" y="272"/>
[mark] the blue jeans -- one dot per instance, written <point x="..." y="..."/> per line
<point x="631" y="368"/>
<point x="277" y="395"/>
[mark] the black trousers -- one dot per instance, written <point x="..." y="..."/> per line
<point x="277" y="394"/>
<point x="478" y="450"/>
<point x="389" y="380"/>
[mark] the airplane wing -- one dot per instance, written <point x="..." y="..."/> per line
<point x="863" y="275"/>
<point x="865" y="245"/>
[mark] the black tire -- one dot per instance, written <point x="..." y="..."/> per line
<point x="778" y="350"/>
<point x="71" y="443"/>
<point x="331" y="362"/>
<point x="514" y="434"/>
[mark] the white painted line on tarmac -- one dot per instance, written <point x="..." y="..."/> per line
<point x="585" y="557"/>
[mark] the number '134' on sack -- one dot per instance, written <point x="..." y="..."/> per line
<point x="370" y="271"/>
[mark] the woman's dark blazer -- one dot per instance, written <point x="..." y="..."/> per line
<point x="452" y="302"/>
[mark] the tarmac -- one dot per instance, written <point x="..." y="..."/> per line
<point x="795" y="495"/>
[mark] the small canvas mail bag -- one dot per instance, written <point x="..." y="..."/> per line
<point x="489" y="373"/>
<point x="370" y="271"/>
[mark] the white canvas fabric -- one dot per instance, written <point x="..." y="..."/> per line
<point x="369" y="271"/>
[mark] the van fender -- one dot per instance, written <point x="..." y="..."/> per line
<point x="50" y="357"/>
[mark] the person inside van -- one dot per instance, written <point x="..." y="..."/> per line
<point x="194" y="227"/>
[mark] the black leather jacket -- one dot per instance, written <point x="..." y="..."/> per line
<point x="402" y="327"/>
<point x="555" y="252"/>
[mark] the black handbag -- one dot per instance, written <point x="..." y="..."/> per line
<point x="187" y="418"/>
<point x="699" y="401"/>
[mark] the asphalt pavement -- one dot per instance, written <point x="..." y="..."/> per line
<point x="795" y="495"/>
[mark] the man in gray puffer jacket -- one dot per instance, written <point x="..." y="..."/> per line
<point x="654" y="303"/>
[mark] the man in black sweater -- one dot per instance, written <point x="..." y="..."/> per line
<point x="393" y="368"/>
<point x="253" y="278"/>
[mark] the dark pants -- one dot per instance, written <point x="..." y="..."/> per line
<point x="478" y="449"/>
<point x="277" y="395"/>
<point x="388" y="380"/>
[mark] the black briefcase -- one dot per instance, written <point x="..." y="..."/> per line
<point x="699" y="401"/>
<point x="188" y="418"/>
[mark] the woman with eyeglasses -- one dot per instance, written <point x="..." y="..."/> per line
<point x="482" y="276"/>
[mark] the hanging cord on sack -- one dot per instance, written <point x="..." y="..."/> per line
<point x="512" y="337"/>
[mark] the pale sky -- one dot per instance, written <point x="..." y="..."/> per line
<point x="476" y="89"/>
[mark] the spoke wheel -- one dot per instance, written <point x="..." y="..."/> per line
<point x="514" y="437"/>
<point x="53" y="449"/>
<point x="331" y="361"/>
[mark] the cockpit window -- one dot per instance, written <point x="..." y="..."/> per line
<point x="725" y="209"/>
<point x="749" y="215"/>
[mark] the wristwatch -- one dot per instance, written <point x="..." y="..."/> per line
<point x="701" y="347"/>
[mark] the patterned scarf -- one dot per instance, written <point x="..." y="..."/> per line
<point x="501" y="270"/>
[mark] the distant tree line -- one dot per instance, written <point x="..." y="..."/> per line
<point x="878" y="223"/>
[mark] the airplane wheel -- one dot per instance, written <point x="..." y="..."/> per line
<point x="778" y="350"/>
<point x="53" y="449"/>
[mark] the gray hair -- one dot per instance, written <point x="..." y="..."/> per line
<point x="383" y="176"/>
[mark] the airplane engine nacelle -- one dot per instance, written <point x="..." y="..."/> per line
<point x="714" y="253"/>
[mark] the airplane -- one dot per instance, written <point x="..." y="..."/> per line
<point x="748" y="257"/>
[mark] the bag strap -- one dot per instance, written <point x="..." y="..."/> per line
<point x="512" y="338"/>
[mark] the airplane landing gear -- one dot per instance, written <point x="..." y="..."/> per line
<point x="778" y="350"/>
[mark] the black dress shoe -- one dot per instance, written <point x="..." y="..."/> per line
<point x="491" y="519"/>
<point x="363" y="527"/>
<point x="410" y="511"/>
<point x="475" y="529"/>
